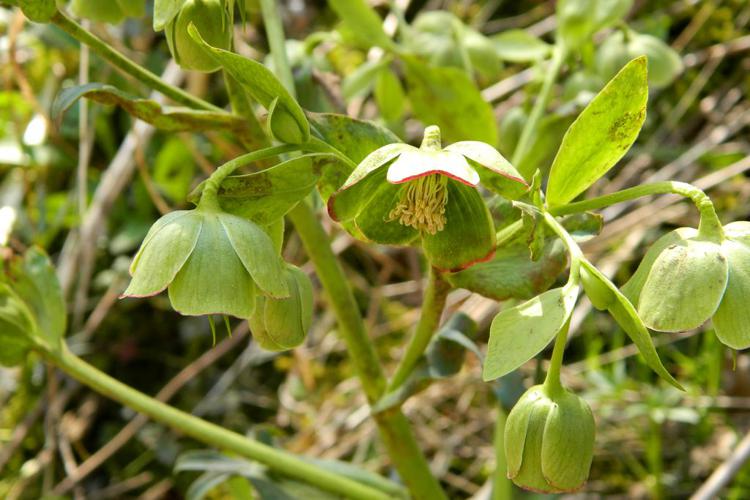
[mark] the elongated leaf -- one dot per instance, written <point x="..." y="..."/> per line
<point x="626" y="316"/>
<point x="601" y="135"/>
<point x="519" y="333"/>
<point x="364" y="23"/>
<point x="447" y="97"/>
<point x="166" y="118"/>
<point x="269" y="194"/>
<point x="259" y="82"/>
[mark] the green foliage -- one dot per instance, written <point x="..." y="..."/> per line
<point x="601" y="134"/>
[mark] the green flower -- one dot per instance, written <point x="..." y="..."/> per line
<point x="212" y="262"/>
<point x="685" y="280"/>
<point x="400" y="194"/>
<point x="549" y="441"/>
<point x="281" y="324"/>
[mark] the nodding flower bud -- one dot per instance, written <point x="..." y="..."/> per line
<point x="212" y="262"/>
<point x="213" y="19"/>
<point x="549" y="441"/>
<point x="281" y="324"/>
<point x="680" y="282"/>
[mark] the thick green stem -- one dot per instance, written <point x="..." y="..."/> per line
<point x="530" y="128"/>
<point x="710" y="225"/>
<point x="127" y="66"/>
<point x="211" y="434"/>
<point x="432" y="309"/>
<point x="393" y="426"/>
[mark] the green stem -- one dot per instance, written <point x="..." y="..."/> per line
<point x="570" y="244"/>
<point x="710" y="225"/>
<point x="530" y="128"/>
<point x="432" y="309"/>
<point x="277" y="43"/>
<point x="552" y="385"/>
<point x="209" y="197"/>
<point x="209" y="433"/>
<point x="393" y="426"/>
<point x="127" y="66"/>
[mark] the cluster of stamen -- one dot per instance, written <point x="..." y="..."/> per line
<point x="422" y="204"/>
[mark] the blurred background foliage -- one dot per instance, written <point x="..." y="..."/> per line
<point x="475" y="70"/>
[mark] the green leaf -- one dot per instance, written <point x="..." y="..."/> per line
<point x="17" y="327"/>
<point x="364" y="23"/>
<point x="626" y="316"/>
<point x="354" y="138"/>
<point x="519" y="333"/>
<point x="512" y="274"/>
<point x="601" y="135"/>
<point x="259" y="82"/>
<point x="166" y="118"/>
<point x="36" y="283"/>
<point x="164" y="11"/>
<point x="269" y="194"/>
<point x="520" y="46"/>
<point x="448" y="98"/>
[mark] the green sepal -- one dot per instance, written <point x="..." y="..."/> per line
<point x="732" y="318"/>
<point x="496" y="173"/>
<point x="164" y="251"/>
<point x="469" y="233"/>
<point x="568" y="443"/>
<point x="622" y="310"/>
<point x="684" y="286"/>
<point x="213" y="279"/>
<point x="373" y="219"/>
<point x="282" y="324"/>
<point x="256" y="251"/>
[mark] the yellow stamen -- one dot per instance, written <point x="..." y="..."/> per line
<point x="422" y="204"/>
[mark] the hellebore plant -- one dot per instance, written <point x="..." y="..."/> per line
<point x="224" y="256"/>
<point x="400" y="194"/>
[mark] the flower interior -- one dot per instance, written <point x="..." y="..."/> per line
<point x="422" y="204"/>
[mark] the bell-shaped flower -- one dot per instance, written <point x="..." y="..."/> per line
<point x="400" y="194"/>
<point x="282" y="324"/>
<point x="549" y="441"/>
<point x="685" y="280"/>
<point x="211" y="262"/>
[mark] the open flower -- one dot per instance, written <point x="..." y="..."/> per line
<point x="399" y="194"/>
<point x="212" y="262"/>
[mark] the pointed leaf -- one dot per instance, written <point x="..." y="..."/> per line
<point x="364" y="23"/>
<point x="520" y="46"/>
<point x="626" y="316"/>
<point x="601" y="135"/>
<point x="519" y="333"/>
<point x="166" y="118"/>
<point x="258" y="81"/>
